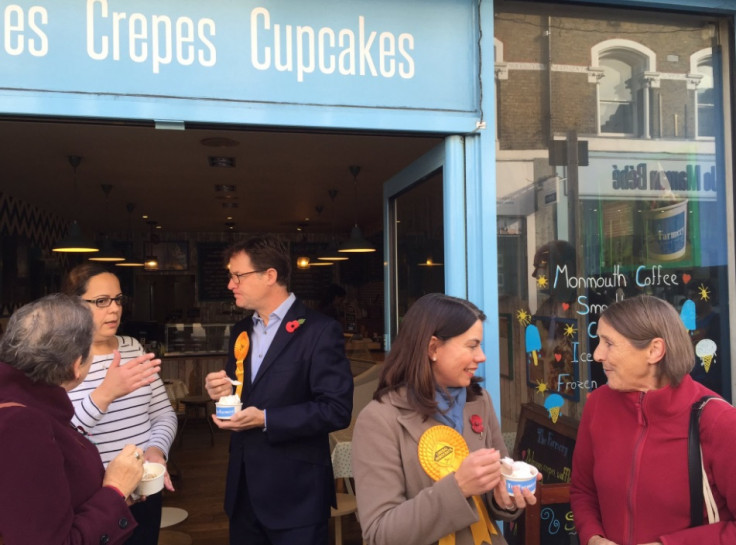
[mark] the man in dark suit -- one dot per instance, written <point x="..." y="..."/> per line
<point x="297" y="388"/>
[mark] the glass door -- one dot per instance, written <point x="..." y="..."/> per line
<point x="414" y="236"/>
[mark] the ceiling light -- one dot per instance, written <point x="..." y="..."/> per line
<point x="221" y="162"/>
<point x="430" y="263"/>
<point x="302" y="262"/>
<point x="151" y="263"/>
<point x="130" y="259"/>
<point x="357" y="243"/>
<point x="75" y="242"/>
<point x="107" y="253"/>
<point x="332" y="254"/>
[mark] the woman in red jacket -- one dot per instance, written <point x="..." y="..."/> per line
<point x="53" y="488"/>
<point x="630" y="467"/>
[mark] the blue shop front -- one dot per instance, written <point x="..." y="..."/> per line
<point x="542" y="160"/>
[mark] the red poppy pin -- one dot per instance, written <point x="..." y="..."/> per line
<point x="476" y="423"/>
<point x="294" y="325"/>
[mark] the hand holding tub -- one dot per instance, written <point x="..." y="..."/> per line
<point x="125" y="471"/>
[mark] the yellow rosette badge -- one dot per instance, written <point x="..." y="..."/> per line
<point x="242" y="344"/>
<point x="441" y="450"/>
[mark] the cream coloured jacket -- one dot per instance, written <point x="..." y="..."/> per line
<point x="398" y="503"/>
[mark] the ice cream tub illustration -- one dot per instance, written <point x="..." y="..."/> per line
<point x="666" y="231"/>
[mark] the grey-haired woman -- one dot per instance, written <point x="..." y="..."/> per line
<point x="54" y="487"/>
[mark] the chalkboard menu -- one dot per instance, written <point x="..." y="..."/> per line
<point x="548" y="446"/>
<point x="545" y="444"/>
<point x="211" y="273"/>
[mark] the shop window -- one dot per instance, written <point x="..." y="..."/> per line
<point x="704" y="95"/>
<point x="617" y="104"/>
<point x="623" y="99"/>
<point x="644" y="216"/>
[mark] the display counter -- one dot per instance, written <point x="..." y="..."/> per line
<point x="195" y="339"/>
<point x="191" y="370"/>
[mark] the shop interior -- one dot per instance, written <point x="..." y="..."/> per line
<point x="180" y="194"/>
<point x="166" y="200"/>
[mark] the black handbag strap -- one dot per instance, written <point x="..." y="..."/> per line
<point x="695" y="464"/>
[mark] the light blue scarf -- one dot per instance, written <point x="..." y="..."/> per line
<point x="450" y="408"/>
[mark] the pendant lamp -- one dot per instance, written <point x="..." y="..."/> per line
<point x="151" y="261"/>
<point x="357" y="242"/>
<point x="430" y="263"/>
<point x="108" y="253"/>
<point x="131" y="259"/>
<point x="74" y="241"/>
<point x="332" y="252"/>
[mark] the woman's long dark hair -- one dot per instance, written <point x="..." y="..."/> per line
<point x="408" y="364"/>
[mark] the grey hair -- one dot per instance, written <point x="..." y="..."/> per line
<point x="44" y="338"/>
<point x="643" y="318"/>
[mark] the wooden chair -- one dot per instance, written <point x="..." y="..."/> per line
<point x="346" y="501"/>
<point x="346" y="505"/>
<point x="547" y="494"/>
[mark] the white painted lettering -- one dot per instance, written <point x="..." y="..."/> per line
<point x="156" y="40"/>
<point x="305" y="50"/>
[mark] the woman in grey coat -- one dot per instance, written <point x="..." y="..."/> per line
<point x="427" y="449"/>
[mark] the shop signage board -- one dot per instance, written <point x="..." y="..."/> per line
<point x="549" y="446"/>
<point x="652" y="176"/>
<point x="243" y="57"/>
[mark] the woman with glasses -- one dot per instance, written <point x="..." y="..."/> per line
<point x="121" y="401"/>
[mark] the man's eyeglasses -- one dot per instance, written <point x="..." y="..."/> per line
<point x="104" y="302"/>
<point x="235" y="277"/>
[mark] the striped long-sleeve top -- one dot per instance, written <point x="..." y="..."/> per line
<point x="143" y="417"/>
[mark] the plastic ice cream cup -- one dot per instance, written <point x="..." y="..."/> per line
<point x="153" y="479"/>
<point x="519" y="474"/>
<point x="227" y="406"/>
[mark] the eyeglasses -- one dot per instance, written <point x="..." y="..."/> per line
<point x="104" y="302"/>
<point x="235" y="277"/>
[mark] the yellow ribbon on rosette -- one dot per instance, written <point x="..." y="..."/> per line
<point x="242" y="344"/>
<point x="441" y="450"/>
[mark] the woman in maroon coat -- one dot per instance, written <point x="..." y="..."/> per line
<point x="54" y="488"/>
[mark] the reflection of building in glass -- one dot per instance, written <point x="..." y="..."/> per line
<point x="634" y="184"/>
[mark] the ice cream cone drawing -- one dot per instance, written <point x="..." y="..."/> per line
<point x="687" y="314"/>
<point x="553" y="404"/>
<point x="706" y="351"/>
<point x="533" y="342"/>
